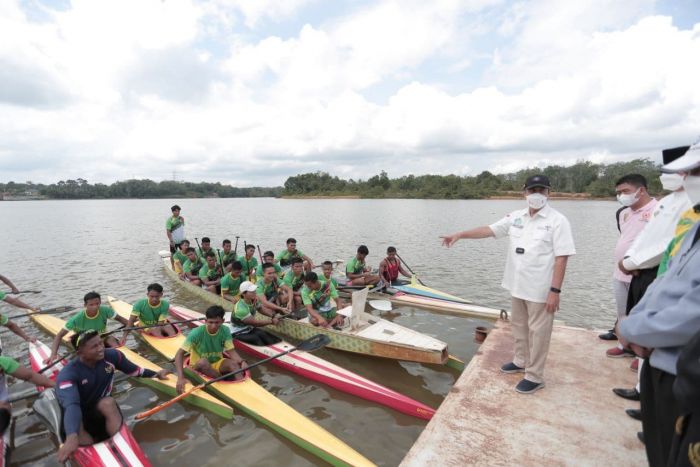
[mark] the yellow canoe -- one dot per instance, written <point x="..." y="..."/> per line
<point x="257" y="402"/>
<point x="201" y="399"/>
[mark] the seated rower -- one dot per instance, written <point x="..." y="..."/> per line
<point x="268" y="257"/>
<point x="12" y="326"/>
<point x="180" y="256"/>
<point x="150" y="311"/>
<point x="10" y="366"/>
<point x="231" y="283"/>
<point x="205" y="249"/>
<point x="93" y="317"/>
<point x="294" y="279"/>
<point x="190" y="270"/>
<point x="357" y="271"/>
<point x="245" y="315"/>
<point x="321" y="301"/>
<point x="210" y="274"/>
<point x="228" y="256"/>
<point x="210" y="348"/>
<point x="390" y="267"/>
<point x="83" y="389"/>
<point x="249" y="263"/>
<point x="328" y="273"/>
<point x="269" y="291"/>
<point x="285" y="256"/>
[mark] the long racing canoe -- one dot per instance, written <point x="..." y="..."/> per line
<point x="310" y="366"/>
<point x="258" y="403"/>
<point x="201" y="399"/>
<point x="363" y="333"/>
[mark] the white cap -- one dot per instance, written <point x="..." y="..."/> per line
<point x="247" y="286"/>
<point x="687" y="162"/>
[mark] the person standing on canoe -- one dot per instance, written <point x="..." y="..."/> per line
<point x="190" y="270"/>
<point x="390" y="267"/>
<point x="321" y="301"/>
<point x="269" y="291"/>
<point x="150" y="311"/>
<point x="210" y="348"/>
<point x="83" y="390"/>
<point x="93" y="317"/>
<point x="231" y="282"/>
<point x="175" y="230"/>
<point x="540" y="245"/>
<point x="328" y="273"/>
<point x="285" y="256"/>
<point x="245" y="315"/>
<point x="179" y="258"/>
<point x="268" y="257"/>
<point x="228" y="256"/>
<point x="294" y="280"/>
<point x="210" y="274"/>
<point x="249" y="263"/>
<point x="357" y="271"/>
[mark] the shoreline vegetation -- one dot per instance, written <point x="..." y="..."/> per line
<point x="581" y="181"/>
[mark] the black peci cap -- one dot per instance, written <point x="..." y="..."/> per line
<point x="672" y="154"/>
<point x="537" y="180"/>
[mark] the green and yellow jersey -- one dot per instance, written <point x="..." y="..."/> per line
<point x="231" y="285"/>
<point x="201" y="344"/>
<point x="149" y="314"/>
<point x="82" y="322"/>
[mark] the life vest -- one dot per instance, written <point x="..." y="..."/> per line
<point x="391" y="272"/>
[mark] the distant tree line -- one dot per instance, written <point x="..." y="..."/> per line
<point x="81" y="189"/>
<point x="597" y="180"/>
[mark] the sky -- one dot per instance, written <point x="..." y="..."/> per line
<point x="250" y="92"/>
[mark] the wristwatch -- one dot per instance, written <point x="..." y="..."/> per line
<point x="555" y="290"/>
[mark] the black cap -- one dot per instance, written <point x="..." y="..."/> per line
<point x="537" y="180"/>
<point x="672" y="154"/>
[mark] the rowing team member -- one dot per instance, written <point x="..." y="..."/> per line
<point x="93" y="317"/>
<point x="151" y="311"/>
<point x="285" y="256"/>
<point x="210" y="274"/>
<point x="180" y="256"/>
<point x="321" y="301"/>
<point x="245" y="312"/>
<point x="273" y="293"/>
<point x="191" y="267"/>
<point x="211" y="350"/>
<point x="83" y="390"/>
<point x="268" y="257"/>
<point x="357" y="271"/>
<point x="390" y="267"/>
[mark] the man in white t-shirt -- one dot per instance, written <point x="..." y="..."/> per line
<point x="540" y="245"/>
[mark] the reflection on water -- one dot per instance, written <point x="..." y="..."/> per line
<point x="67" y="248"/>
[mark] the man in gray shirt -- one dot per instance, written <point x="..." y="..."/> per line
<point x="664" y="321"/>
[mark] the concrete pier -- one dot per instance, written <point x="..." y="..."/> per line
<point x="575" y="420"/>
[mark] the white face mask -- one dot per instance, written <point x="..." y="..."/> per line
<point x="536" y="200"/>
<point x="628" y="199"/>
<point x="692" y="188"/>
<point x="671" y="182"/>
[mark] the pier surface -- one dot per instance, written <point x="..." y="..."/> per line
<point x="575" y="420"/>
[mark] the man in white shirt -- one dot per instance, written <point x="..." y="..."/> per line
<point x="540" y="245"/>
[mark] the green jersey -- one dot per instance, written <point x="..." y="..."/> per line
<point x="231" y="285"/>
<point x="355" y="266"/>
<point x="2" y="295"/>
<point x="324" y="279"/>
<point x="205" y="273"/>
<point x="319" y="299"/>
<point x="284" y="257"/>
<point x="270" y="290"/>
<point x="149" y="314"/>
<point x="295" y="282"/>
<point x="202" y="254"/>
<point x="176" y="227"/>
<point x="248" y="265"/>
<point x="82" y="322"/>
<point x="3" y="319"/>
<point x="201" y="344"/>
<point x="192" y="268"/>
<point x="180" y="256"/>
<point x="228" y="258"/>
<point x="259" y="271"/>
<point x="242" y="311"/>
<point x="8" y="365"/>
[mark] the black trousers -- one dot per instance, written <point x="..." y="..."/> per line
<point x="639" y="285"/>
<point x="685" y="450"/>
<point x="659" y="413"/>
<point x="258" y="337"/>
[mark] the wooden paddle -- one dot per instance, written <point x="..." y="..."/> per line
<point x="23" y="291"/>
<point x="409" y="268"/>
<point x="309" y="345"/>
<point x="48" y="311"/>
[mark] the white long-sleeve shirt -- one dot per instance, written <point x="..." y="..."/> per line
<point x="649" y="246"/>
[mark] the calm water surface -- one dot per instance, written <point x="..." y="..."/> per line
<point x="67" y="248"/>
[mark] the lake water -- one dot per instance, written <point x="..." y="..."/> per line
<point x="67" y="248"/>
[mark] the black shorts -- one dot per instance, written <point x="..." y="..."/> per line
<point x="258" y="337"/>
<point x="93" y="422"/>
<point x="174" y="248"/>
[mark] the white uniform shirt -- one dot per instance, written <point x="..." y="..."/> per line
<point x="534" y="243"/>
<point x="648" y="247"/>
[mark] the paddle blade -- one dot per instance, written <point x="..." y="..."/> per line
<point x="314" y="343"/>
<point x="381" y="305"/>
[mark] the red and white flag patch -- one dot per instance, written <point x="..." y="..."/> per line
<point x="65" y="385"/>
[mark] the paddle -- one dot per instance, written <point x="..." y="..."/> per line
<point x="409" y="268"/>
<point x="235" y="248"/>
<point x="48" y="311"/>
<point x="23" y="291"/>
<point x="381" y="305"/>
<point x="309" y="345"/>
<point x="199" y="246"/>
<point x="260" y="254"/>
